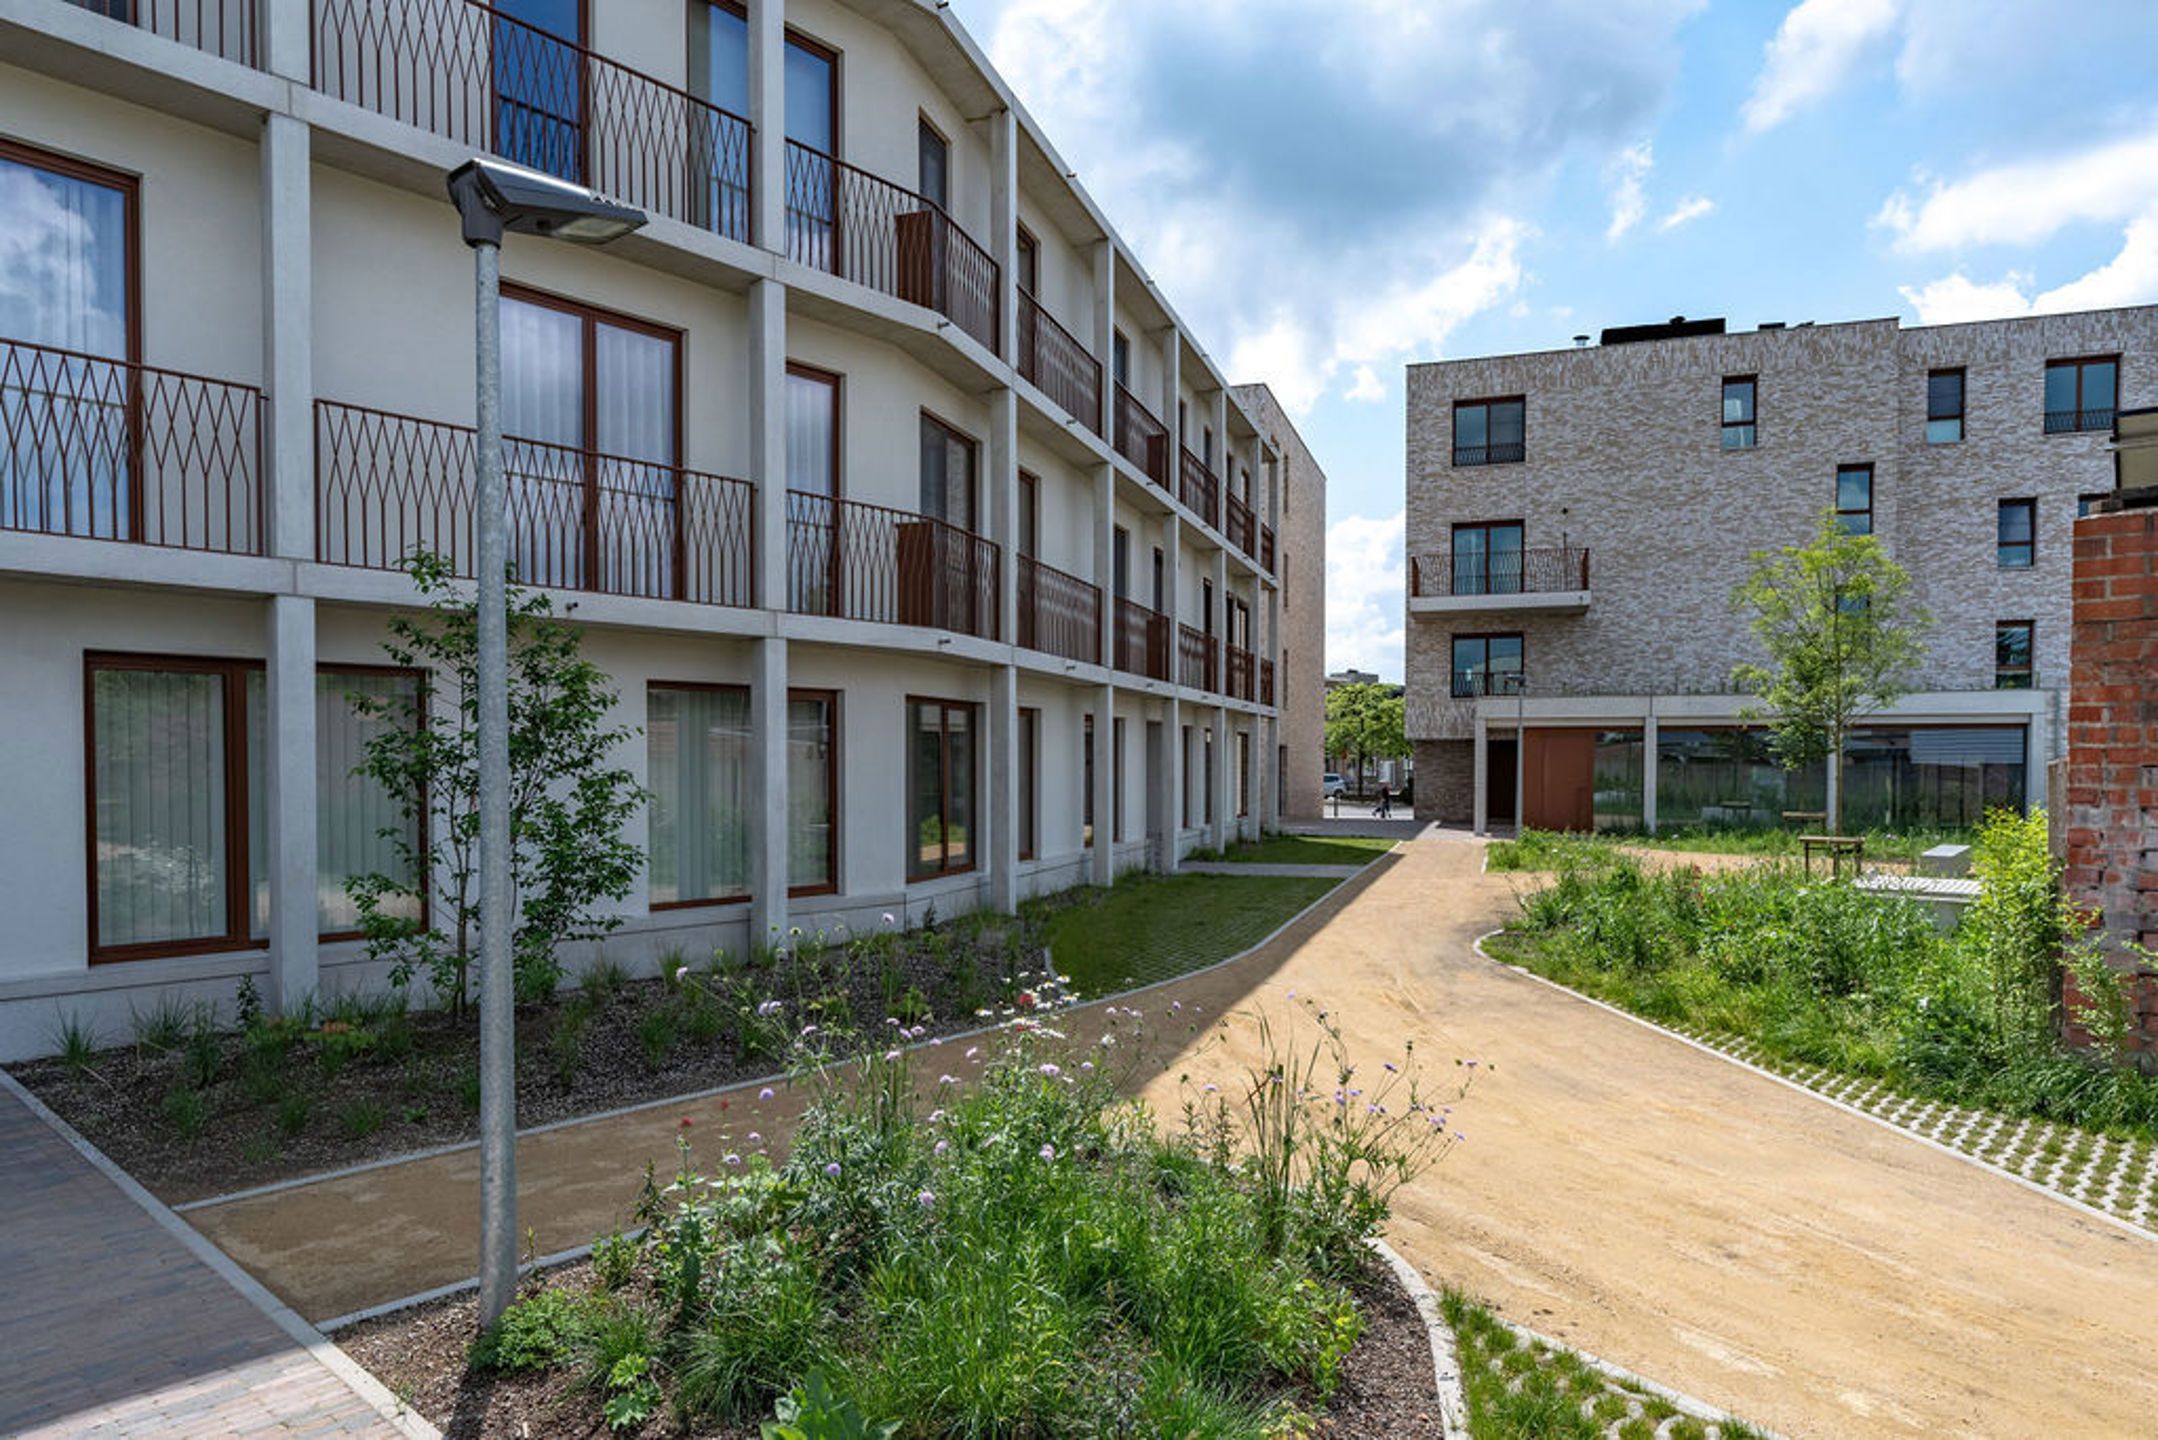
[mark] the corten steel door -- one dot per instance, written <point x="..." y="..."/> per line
<point x="1559" y="784"/>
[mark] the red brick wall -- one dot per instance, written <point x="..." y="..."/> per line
<point x="2112" y="784"/>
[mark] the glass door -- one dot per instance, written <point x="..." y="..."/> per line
<point x="539" y="84"/>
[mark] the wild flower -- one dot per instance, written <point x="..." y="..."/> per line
<point x="947" y="1079"/>
<point x="942" y="1146"/>
<point x="832" y="1169"/>
<point x="730" y="1158"/>
<point x="891" y="1057"/>
<point x="1051" y="1071"/>
<point x="687" y="1122"/>
<point x="936" y="1117"/>
<point x="973" y="1050"/>
<point x="926" y="1199"/>
<point x="771" y="1007"/>
<point x="1049" y="1152"/>
<point x="755" y="1138"/>
<point x="765" y="1093"/>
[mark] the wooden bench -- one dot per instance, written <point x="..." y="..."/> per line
<point x="1835" y="847"/>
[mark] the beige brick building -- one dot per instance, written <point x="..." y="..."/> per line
<point x="1300" y="626"/>
<point x="1577" y="520"/>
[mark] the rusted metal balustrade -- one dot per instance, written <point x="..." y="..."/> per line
<point x="390" y="485"/>
<point x="1056" y="364"/>
<point x="228" y="29"/>
<point x="1059" y="614"/>
<point x="108" y="450"/>
<point x="1198" y="656"/>
<point x="1198" y="487"/>
<point x="1239" y="673"/>
<point x="1539" y="571"/>
<point x="1142" y="640"/>
<point x="1140" y="438"/>
<point x="855" y="561"/>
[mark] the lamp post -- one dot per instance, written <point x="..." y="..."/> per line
<point x="495" y="198"/>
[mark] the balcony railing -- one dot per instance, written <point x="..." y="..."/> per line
<point x="864" y="228"/>
<point x="2062" y="422"/>
<point x="475" y="75"/>
<point x="1142" y="640"/>
<point x="1266" y="557"/>
<point x="1057" y="364"/>
<point x="107" y="450"/>
<point x="1196" y="654"/>
<point x="869" y="562"/>
<point x="228" y="29"/>
<point x="1504" y="453"/>
<point x="1510" y="572"/>
<point x="1058" y="613"/>
<point x="1239" y="673"/>
<point x="1241" y="527"/>
<point x="1266" y="682"/>
<point x="1198" y="487"/>
<point x="390" y="485"/>
<point x="1468" y="684"/>
<point x="1140" y="438"/>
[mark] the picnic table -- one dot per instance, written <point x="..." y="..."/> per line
<point x="1836" y="848"/>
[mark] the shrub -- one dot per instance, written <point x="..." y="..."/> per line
<point x="656" y="1035"/>
<point x="76" y="1042"/>
<point x="614" y="1260"/>
<point x="766" y="1326"/>
<point x="361" y="1118"/>
<point x="185" y="1111"/>
<point x="540" y="1332"/>
<point x="163" y="1027"/>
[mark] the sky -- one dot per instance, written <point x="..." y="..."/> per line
<point x="1329" y="190"/>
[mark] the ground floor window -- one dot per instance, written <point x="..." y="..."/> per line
<point x="812" y="791"/>
<point x="1188" y="779"/>
<point x="1618" y="767"/>
<point x="1030" y="724"/>
<point x="2012" y="655"/>
<point x="1086" y="783"/>
<point x="940" y="786"/>
<point x="1243" y="773"/>
<point x="178" y="794"/>
<point x="1116" y="778"/>
<point x="1893" y="776"/>
<point x="702" y="818"/>
<point x="1208" y="769"/>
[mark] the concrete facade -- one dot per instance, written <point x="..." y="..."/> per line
<point x="1300" y="486"/>
<point x="297" y="251"/>
<point x="1624" y="459"/>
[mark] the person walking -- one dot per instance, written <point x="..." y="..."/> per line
<point x="1385" y="809"/>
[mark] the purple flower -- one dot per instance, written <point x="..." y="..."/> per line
<point x="947" y="1079"/>
<point x="730" y="1158"/>
<point x="1459" y="1136"/>
<point x="890" y="1056"/>
<point x="942" y="1146"/>
<point x="755" y="1138"/>
<point x="973" y="1050"/>
<point x="765" y="1093"/>
<point x="935" y="1116"/>
<point x="1210" y="1087"/>
<point x="832" y="1169"/>
<point x="1049" y="1152"/>
<point x="1086" y="1064"/>
<point x="1051" y="1071"/>
<point x="926" y="1199"/>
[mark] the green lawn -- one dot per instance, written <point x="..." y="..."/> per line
<point x="1310" y="850"/>
<point x="1156" y="927"/>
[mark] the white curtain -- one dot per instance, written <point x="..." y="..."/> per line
<point x="810" y="803"/>
<point x="352" y="811"/>
<point x="543" y="400"/>
<point x="158" y="772"/>
<point x="698" y="758"/>
<point x="635" y="404"/>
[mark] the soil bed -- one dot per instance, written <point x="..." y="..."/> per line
<point x="1387" y="1389"/>
<point x="193" y="1112"/>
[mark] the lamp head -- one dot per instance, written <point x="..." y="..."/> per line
<point x="493" y="197"/>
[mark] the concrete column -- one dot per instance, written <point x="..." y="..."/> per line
<point x="768" y="437"/>
<point x="1273" y="770"/>
<point x="1224" y="791"/>
<point x="1105" y="558"/>
<point x="1172" y="782"/>
<point x="768" y="122"/>
<point x="1104" y="794"/>
<point x="1105" y="331"/>
<point x="1172" y="549"/>
<point x="1003" y="797"/>
<point x="768" y="790"/>
<point x="1648" y="774"/>
<point x="288" y="335"/>
<point x="1003" y="490"/>
<point x="1172" y="389"/>
<point x="289" y="768"/>
<point x="1004" y="225"/>
<point x="1481" y="812"/>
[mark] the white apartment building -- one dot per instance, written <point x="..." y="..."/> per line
<point x="932" y="557"/>
<point x="1578" y="520"/>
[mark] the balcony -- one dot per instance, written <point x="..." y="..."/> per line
<point x="868" y="562"/>
<point x="1142" y="640"/>
<point x="2067" y="422"/>
<point x="1241" y="527"/>
<point x="107" y="450"/>
<point x="1265" y="557"/>
<point x="228" y="29"/>
<point x="1196" y="652"/>
<point x="861" y="227"/>
<point x="1239" y="673"/>
<point x="472" y="74"/>
<point x="1504" y="453"/>
<point x="390" y="485"/>
<point x="1057" y="364"/>
<point x="1059" y="614"/>
<point x="1198" y="487"/>
<point x="1266" y="682"/>
<point x="1480" y="684"/>
<point x="1552" y="581"/>
<point x="1141" y="439"/>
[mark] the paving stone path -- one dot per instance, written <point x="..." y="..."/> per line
<point x="113" y="1327"/>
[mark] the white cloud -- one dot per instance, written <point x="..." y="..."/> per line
<point x="1688" y="210"/>
<point x="2129" y="278"/>
<point x="1367" y="387"/>
<point x="1955" y="298"/>
<point x="1813" y="53"/>
<point x="2027" y="201"/>
<point x="1365" y="586"/>
<point x="1629" y="174"/>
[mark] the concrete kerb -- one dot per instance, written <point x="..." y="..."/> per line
<point x="378" y="1397"/>
<point x="1445" y="1357"/>
<point x="1979" y="1162"/>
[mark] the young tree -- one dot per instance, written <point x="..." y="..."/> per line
<point x="1841" y="638"/>
<point x="568" y="802"/>
<point x="1367" y="722"/>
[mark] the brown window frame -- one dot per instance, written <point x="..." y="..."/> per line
<point x="1844" y="514"/>
<point x="234" y="673"/>
<point x="1243" y="774"/>
<point x="926" y="130"/>
<point x="700" y="687"/>
<point x="1487" y="636"/>
<point x="946" y="868"/>
<point x="1029" y="527"/>
<point x="1027" y="261"/>
<point x="2001" y="509"/>
<point x="832" y="802"/>
<point x="810" y="45"/>
<point x="1120" y="357"/>
<point x="838" y="385"/>
<point x="1028" y="734"/>
<point x="973" y="449"/>
<point x="2026" y="673"/>
<point x="1472" y="456"/>
<point x="130" y="187"/>
<point x="1116" y="779"/>
<point x="2079" y="363"/>
<point x="1086" y="780"/>
<point x="1453" y="551"/>
<point x="1751" y="425"/>
<point x="1184" y="805"/>
<point x="1207" y="764"/>
<point x="1963" y="404"/>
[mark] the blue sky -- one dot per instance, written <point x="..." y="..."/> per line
<point x="1331" y="189"/>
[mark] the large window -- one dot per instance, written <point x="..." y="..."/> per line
<point x="179" y="825"/>
<point x="1487" y="558"/>
<point x="1086" y="783"/>
<point x="1027" y="262"/>
<point x="1854" y="499"/>
<point x="593" y="402"/>
<point x="2081" y="394"/>
<point x="2012" y="655"/>
<point x="948" y="486"/>
<point x="719" y="75"/>
<point x="1120" y="358"/>
<point x="698" y="741"/>
<point x="1892" y="776"/>
<point x="811" y="90"/>
<point x="935" y="166"/>
<point x="1740" y="428"/>
<point x="1486" y="665"/>
<point x="1243" y="773"/>
<point x="1944" y="407"/>
<point x="1116" y="778"/>
<point x="940" y="788"/>
<point x="1030" y="782"/>
<point x="1490" y="432"/>
<point x="2016" y="529"/>
<point x="813" y="488"/>
<point x="68" y="436"/>
<point x="1190" y="779"/>
<point x="539" y="85"/>
<point x="812" y="791"/>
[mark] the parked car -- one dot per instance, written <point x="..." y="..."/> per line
<point x="1336" y="787"/>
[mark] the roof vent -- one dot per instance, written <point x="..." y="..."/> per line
<point x="1581" y="342"/>
<point x="1771" y="324"/>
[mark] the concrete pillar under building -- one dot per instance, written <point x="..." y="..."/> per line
<point x="1104" y="857"/>
<point x="768" y="788"/>
<point x="289" y="770"/>
<point x="1004" y="763"/>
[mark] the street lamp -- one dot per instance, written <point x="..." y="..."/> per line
<point x="494" y="198"/>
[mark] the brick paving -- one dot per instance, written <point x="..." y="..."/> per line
<point x="113" y="1328"/>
